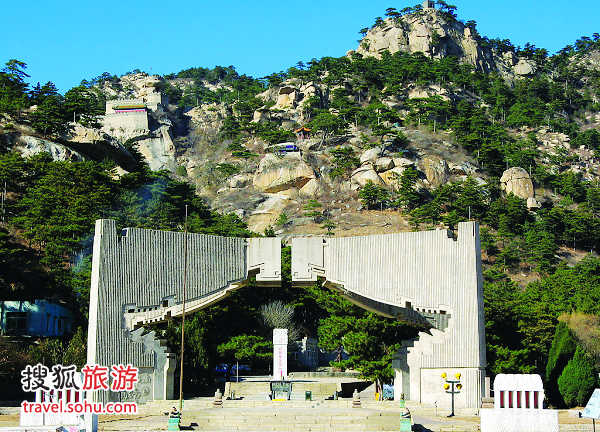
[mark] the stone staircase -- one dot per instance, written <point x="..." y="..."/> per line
<point x="286" y="419"/>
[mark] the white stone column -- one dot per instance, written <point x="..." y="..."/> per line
<point x="280" y="342"/>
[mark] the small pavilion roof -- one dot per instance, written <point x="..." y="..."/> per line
<point x="302" y="129"/>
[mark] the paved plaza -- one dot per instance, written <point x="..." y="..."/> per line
<point x="301" y="416"/>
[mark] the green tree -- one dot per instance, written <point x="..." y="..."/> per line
<point x="49" y="117"/>
<point x="578" y="379"/>
<point x="250" y="349"/>
<point x="84" y="105"/>
<point x="329" y="125"/>
<point x="372" y="195"/>
<point x="344" y="161"/>
<point x="76" y="351"/>
<point x="313" y="210"/>
<point x="408" y="197"/>
<point x="562" y="350"/>
<point x="13" y="88"/>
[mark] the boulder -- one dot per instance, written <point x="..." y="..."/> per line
<point x="384" y="164"/>
<point x="436" y="170"/>
<point x="390" y="177"/>
<point x="286" y="98"/>
<point x="276" y="173"/>
<point x="370" y="155"/>
<point x="312" y="189"/>
<point x="517" y="181"/>
<point x="524" y="67"/>
<point x="402" y="162"/>
<point x="308" y="144"/>
<point x="362" y="175"/>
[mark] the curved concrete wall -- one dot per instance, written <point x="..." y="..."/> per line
<point x="427" y="273"/>
<point x="141" y="273"/>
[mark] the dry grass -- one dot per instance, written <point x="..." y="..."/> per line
<point x="586" y="329"/>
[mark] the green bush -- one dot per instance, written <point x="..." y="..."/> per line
<point x="578" y="379"/>
<point x="181" y="171"/>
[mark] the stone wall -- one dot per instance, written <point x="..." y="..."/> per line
<point x="126" y="123"/>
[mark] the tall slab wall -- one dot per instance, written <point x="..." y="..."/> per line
<point x="417" y="277"/>
<point x="137" y="278"/>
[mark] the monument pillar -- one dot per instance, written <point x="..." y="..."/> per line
<point x="280" y="343"/>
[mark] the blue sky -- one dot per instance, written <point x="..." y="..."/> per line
<point x="66" y="41"/>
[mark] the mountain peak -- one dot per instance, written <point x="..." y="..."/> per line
<point x="437" y="33"/>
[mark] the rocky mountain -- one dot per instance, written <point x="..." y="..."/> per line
<point x="362" y="127"/>
<point x="439" y="34"/>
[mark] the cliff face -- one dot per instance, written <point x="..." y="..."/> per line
<point x="434" y="34"/>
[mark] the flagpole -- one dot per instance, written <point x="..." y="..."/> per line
<point x="185" y="259"/>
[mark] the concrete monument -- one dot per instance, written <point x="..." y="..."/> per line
<point x="137" y="279"/>
<point x="430" y="279"/>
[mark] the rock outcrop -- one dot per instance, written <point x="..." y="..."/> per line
<point x="267" y="212"/>
<point x="517" y="181"/>
<point x="436" y="170"/>
<point x="28" y="146"/>
<point x="437" y="35"/>
<point x="277" y="174"/>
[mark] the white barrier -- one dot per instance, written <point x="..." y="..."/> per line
<point x="69" y="421"/>
<point x="518" y="406"/>
<point x="518" y="420"/>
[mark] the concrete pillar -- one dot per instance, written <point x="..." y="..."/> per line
<point x="169" y="377"/>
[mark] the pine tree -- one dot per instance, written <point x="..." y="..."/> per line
<point x="578" y="379"/>
<point x="408" y="197"/>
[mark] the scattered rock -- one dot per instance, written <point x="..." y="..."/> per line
<point x="517" y="181"/>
